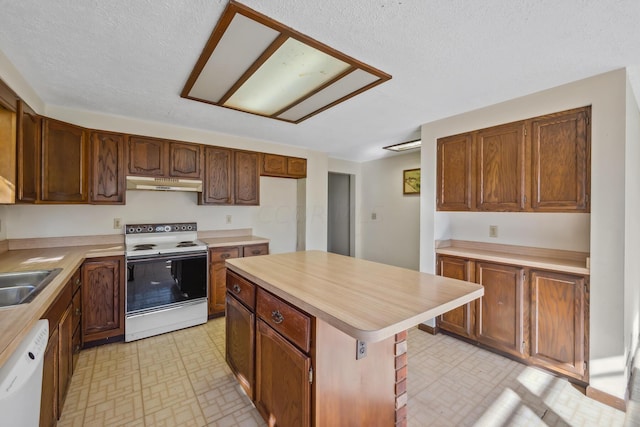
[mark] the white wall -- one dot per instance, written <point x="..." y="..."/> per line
<point x="632" y="225"/>
<point x="394" y="236"/>
<point x="3" y="222"/>
<point x="606" y="93"/>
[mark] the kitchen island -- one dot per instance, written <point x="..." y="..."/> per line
<point x="319" y="339"/>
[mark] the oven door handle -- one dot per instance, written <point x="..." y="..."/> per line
<point x="166" y="257"/>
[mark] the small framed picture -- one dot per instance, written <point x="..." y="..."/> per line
<point x="411" y="181"/>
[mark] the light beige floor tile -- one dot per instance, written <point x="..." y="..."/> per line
<point x="113" y="387"/>
<point x="70" y="418"/>
<point x="165" y="394"/>
<point x="185" y="412"/>
<point x="119" y="411"/>
<point x="225" y="399"/>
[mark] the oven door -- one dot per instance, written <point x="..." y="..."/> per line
<point x="159" y="281"/>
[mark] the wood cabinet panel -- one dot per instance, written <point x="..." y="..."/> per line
<point x="218" y="177"/>
<point x="8" y="98"/>
<point x="49" y="397"/>
<point x="147" y="156"/>
<point x="560" y="161"/>
<point x="296" y="167"/>
<point x="185" y="160"/>
<point x="64" y="163"/>
<point x="107" y="168"/>
<point x="247" y="178"/>
<point x="501" y="171"/>
<point x="455" y="172"/>
<point x="501" y="311"/>
<point x="282" y="166"/>
<point x="287" y="320"/>
<point x="242" y="289"/>
<point x="255" y="250"/>
<point x="218" y="277"/>
<point x="461" y="320"/>
<point x="240" y="341"/>
<point x="28" y="154"/>
<point x="283" y="390"/>
<point x="65" y="351"/>
<point x="558" y="322"/>
<point x="8" y="135"/>
<point x="103" y="298"/>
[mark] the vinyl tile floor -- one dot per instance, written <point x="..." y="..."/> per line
<point x="181" y="379"/>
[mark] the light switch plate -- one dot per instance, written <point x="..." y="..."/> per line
<point x="493" y="231"/>
<point x="229" y="218"/>
<point x="117" y="223"/>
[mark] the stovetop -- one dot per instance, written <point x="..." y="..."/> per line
<point x="152" y="239"/>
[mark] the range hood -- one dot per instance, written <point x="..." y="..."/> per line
<point x="163" y="184"/>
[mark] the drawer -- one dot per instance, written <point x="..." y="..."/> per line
<point x="222" y="254"/>
<point x="290" y="322"/>
<point x="77" y="309"/>
<point x="255" y="250"/>
<point x="242" y="289"/>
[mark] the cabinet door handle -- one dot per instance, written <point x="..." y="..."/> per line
<point x="78" y="281"/>
<point x="78" y="312"/>
<point x="277" y="316"/>
<point x="225" y="256"/>
<point x="77" y="349"/>
<point x="236" y="288"/>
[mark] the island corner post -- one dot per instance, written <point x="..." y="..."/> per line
<point x="319" y="339"/>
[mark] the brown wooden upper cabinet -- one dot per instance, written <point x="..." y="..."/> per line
<point x="455" y="173"/>
<point x="65" y="160"/>
<point x="107" y="165"/>
<point x="246" y="177"/>
<point x="162" y="158"/>
<point x="540" y="165"/>
<point x="282" y="166"/>
<point x="560" y="167"/>
<point x="29" y="140"/>
<point x="8" y="125"/>
<point x="217" y="188"/>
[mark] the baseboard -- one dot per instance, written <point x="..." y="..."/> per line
<point x="606" y="398"/>
<point x="433" y="330"/>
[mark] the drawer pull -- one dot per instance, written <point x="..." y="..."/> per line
<point x="256" y="252"/>
<point x="236" y="288"/>
<point x="78" y="312"/>
<point x="277" y="316"/>
<point x="77" y="281"/>
<point x="225" y="255"/>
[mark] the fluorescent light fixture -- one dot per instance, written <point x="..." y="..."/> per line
<point x="404" y="146"/>
<point x="254" y="64"/>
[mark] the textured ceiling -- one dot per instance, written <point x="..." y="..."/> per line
<point x="133" y="57"/>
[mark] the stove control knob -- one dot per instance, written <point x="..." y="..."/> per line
<point x="167" y="228"/>
<point x="138" y="230"/>
<point x="131" y="230"/>
<point x="189" y="227"/>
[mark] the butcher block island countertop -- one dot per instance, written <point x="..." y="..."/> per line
<point x="366" y="300"/>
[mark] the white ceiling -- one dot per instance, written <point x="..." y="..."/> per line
<point x="133" y="57"/>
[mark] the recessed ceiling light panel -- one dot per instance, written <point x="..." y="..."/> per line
<point x="254" y="64"/>
<point x="404" y="146"/>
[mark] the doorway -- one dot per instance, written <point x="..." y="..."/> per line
<point x="341" y="214"/>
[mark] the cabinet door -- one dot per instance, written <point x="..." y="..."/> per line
<point x="102" y="298"/>
<point x="65" y="358"/>
<point x="147" y="156"/>
<point x="28" y="164"/>
<point x="218" y="277"/>
<point x="240" y="339"/>
<point x="49" y="398"/>
<point x="296" y="167"/>
<point x="218" y="177"/>
<point x="247" y="178"/>
<point x="185" y="160"/>
<point x="8" y="124"/>
<point x="501" y="172"/>
<point x="273" y="165"/>
<point x="283" y="390"/>
<point x="107" y="168"/>
<point x="502" y="309"/>
<point x="460" y="320"/>
<point x="64" y="163"/>
<point x="558" y="322"/>
<point x="560" y="162"/>
<point x="454" y="173"/>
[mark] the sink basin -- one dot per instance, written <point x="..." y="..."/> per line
<point x="22" y="287"/>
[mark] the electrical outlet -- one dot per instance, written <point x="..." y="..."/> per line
<point x="229" y="218"/>
<point x="493" y="231"/>
<point x="117" y="223"/>
<point x="374" y="216"/>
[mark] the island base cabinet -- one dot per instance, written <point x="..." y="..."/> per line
<point x="283" y="380"/>
<point x="240" y="350"/>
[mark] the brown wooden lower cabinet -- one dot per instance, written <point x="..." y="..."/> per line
<point x="536" y="316"/>
<point x="61" y="349"/>
<point x="103" y="298"/>
<point x="218" y="271"/>
<point x="283" y="388"/>
<point x="306" y="372"/>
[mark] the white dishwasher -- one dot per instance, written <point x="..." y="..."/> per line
<point x="21" y="379"/>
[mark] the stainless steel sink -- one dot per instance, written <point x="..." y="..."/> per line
<point x="22" y="287"/>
